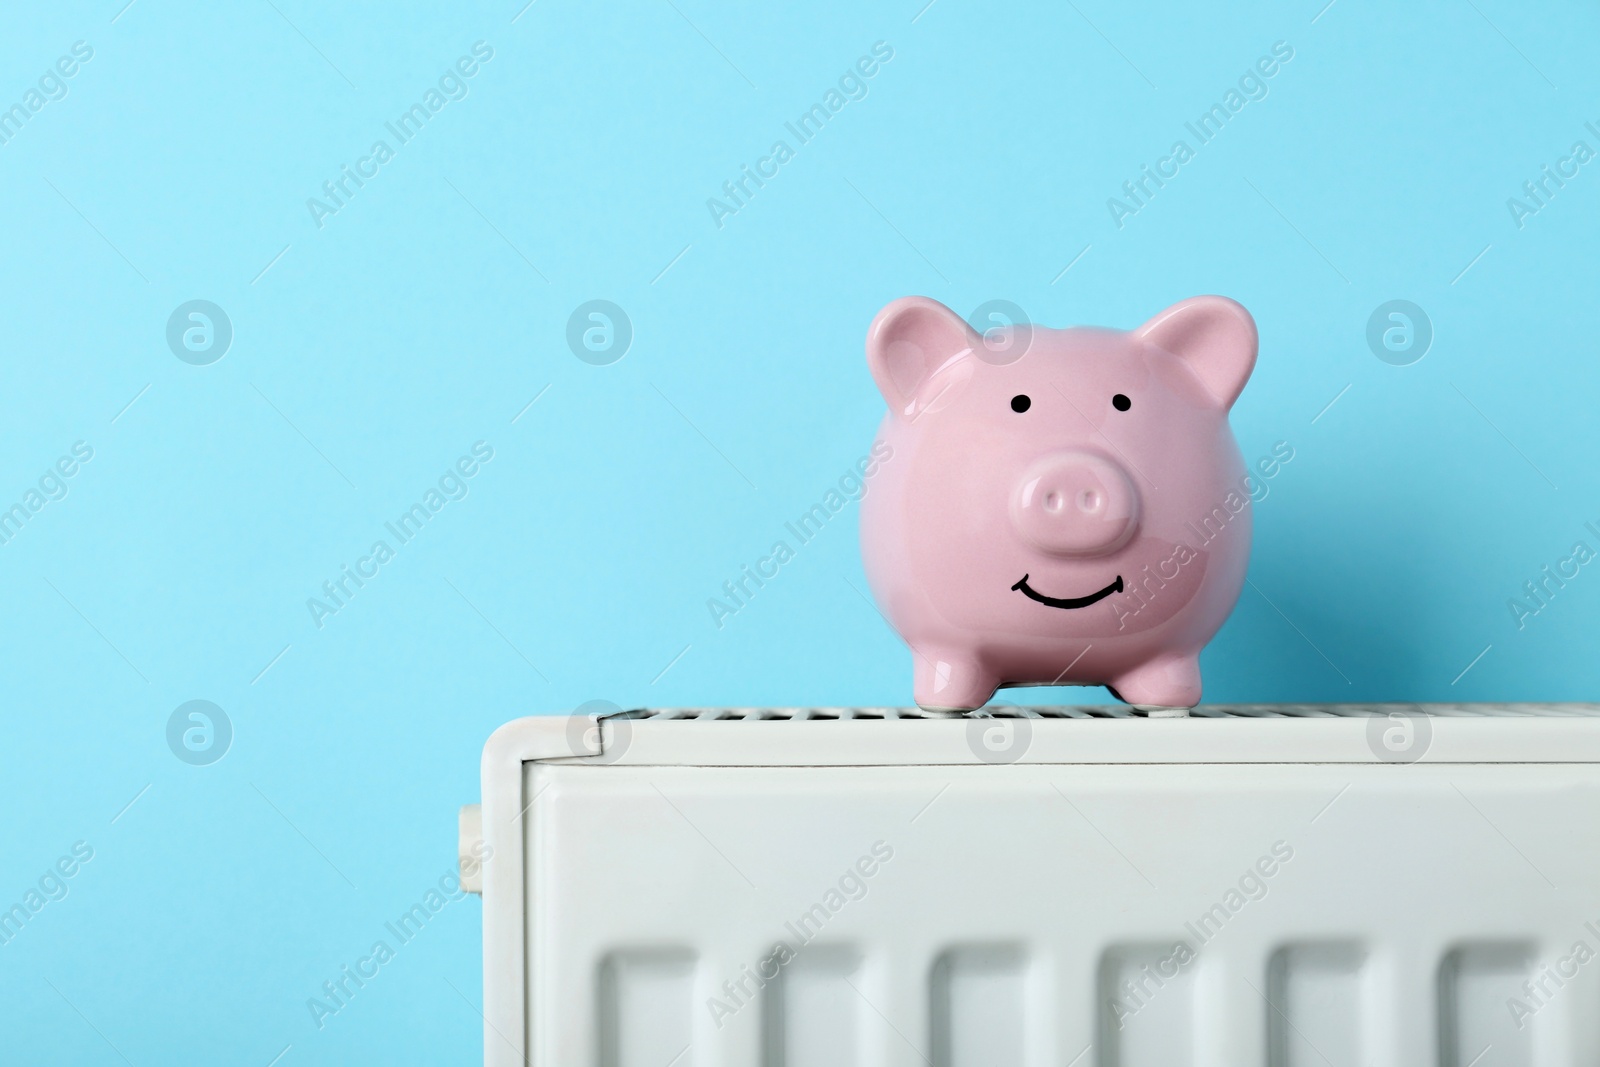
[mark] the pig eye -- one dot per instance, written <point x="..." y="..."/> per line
<point x="1121" y="403"/>
<point x="1020" y="403"/>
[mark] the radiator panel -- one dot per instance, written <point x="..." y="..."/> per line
<point x="1091" y="914"/>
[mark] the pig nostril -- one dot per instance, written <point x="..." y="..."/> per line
<point x="1074" y="503"/>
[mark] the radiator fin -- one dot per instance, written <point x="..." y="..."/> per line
<point x="1476" y="1027"/>
<point x="811" y="1013"/>
<point x="1316" y="1015"/>
<point x="976" y="998"/>
<point x="646" y="1000"/>
<point x="1147" y="1006"/>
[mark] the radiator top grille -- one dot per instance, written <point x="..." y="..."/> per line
<point x="1116" y="711"/>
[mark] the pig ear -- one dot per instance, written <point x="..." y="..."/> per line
<point x="1214" y="336"/>
<point x="908" y="343"/>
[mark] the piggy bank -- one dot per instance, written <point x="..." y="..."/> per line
<point x="1058" y="507"/>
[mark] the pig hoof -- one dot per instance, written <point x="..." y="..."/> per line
<point x="1161" y="685"/>
<point x="945" y="685"/>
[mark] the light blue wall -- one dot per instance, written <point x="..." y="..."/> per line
<point x="428" y="311"/>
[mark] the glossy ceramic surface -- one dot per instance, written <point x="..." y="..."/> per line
<point x="1058" y="506"/>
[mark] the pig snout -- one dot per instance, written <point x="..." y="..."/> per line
<point x="1075" y="504"/>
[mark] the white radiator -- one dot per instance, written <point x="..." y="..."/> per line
<point x="1293" y="886"/>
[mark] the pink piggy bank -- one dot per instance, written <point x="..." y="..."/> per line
<point x="1060" y="507"/>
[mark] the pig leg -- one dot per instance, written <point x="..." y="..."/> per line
<point x="1167" y="683"/>
<point x="951" y="681"/>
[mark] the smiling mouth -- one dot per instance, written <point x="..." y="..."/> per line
<point x="1068" y="602"/>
